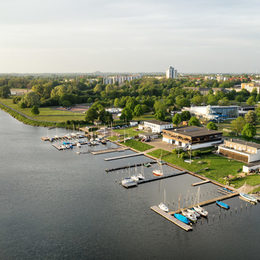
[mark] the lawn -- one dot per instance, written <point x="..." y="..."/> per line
<point x="46" y="113"/>
<point x="218" y="167"/>
<point x="137" y="145"/>
<point x="144" y="117"/>
<point x="128" y="132"/>
<point x="250" y="180"/>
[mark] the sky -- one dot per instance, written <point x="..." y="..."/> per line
<point x="194" y="36"/>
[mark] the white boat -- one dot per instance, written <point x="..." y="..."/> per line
<point x="79" y="145"/>
<point x="158" y="173"/>
<point x="201" y="211"/>
<point x="190" y="216"/>
<point x="248" y="197"/>
<point x="128" y="182"/>
<point x="163" y="207"/>
<point x="134" y="178"/>
<point x="194" y="212"/>
<point x="140" y="176"/>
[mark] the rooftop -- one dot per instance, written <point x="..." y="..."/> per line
<point x="238" y="141"/>
<point x="194" y="131"/>
<point x="157" y="122"/>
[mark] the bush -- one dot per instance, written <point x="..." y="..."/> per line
<point x="35" y="110"/>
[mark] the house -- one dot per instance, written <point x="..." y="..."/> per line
<point x="240" y="150"/>
<point x="133" y="123"/>
<point x="155" y="126"/>
<point x="192" y="137"/>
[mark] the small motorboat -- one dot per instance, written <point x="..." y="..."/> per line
<point x="194" y="212"/>
<point x="201" y="211"/>
<point x="147" y="165"/>
<point x="190" y="215"/>
<point x="128" y="182"/>
<point x="163" y="207"/>
<point x="248" y="197"/>
<point x="222" y="204"/>
<point x="182" y="218"/>
<point x="157" y="173"/>
<point x="140" y="176"/>
<point x="78" y="145"/>
<point x="134" y="178"/>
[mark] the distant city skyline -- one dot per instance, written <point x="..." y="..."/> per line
<point x="85" y="36"/>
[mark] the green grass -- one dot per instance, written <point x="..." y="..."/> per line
<point x="256" y="190"/>
<point x="218" y="167"/>
<point x="113" y="138"/>
<point x="46" y="113"/>
<point x="250" y="180"/>
<point x="137" y="145"/>
<point x="144" y="117"/>
<point x="129" y="132"/>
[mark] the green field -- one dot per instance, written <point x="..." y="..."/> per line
<point x="218" y="167"/>
<point x="137" y="145"/>
<point x="128" y="132"/>
<point x="252" y="180"/>
<point x="46" y="113"/>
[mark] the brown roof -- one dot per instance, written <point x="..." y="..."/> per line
<point x="193" y="131"/>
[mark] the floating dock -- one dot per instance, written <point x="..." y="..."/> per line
<point x="207" y="202"/>
<point x="129" y="166"/>
<point x="112" y="150"/>
<point x="169" y="217"/>
<point x="200" y="183"/>
<point x="156" y="178"/>
<point x="123" y="156"/>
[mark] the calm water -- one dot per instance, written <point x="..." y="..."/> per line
<point x="60" y="205"/>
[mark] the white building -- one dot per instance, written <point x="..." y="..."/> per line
<point x="213" y="112"/>
<point x="120" y="79"/>
<point x="171" y="73"/>
<point x="155" y="126"/>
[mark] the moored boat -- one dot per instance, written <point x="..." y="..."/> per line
<point x="157" y="173"/>
<point x="190" y="215"/>
<point x="163" y="207"/>
<point x="194" y="212"/>
<point x="222" y="204"/>
<point x="248" y="197"/>
<point x="140" y="176"/>
<point x="201" y="211"/>
<point x="182" y="218"/>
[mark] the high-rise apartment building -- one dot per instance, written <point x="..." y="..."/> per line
<point x="171" y="73"/>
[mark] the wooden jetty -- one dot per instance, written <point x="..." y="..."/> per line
<point x="129" y="166"/>
<point x="207" y="202"/>
<point x="123" y="156"/>
<point x="112" y="150"/>
<point x="171" y="218"/>
<point x="156" y="178"/>
<point x="200" y="183"/>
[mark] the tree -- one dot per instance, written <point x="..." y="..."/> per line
<point x="176" y="120"/>
<point x="160" y="114"/>
<point x="238" y="124"/>
<point x="212" y="126"/>
<point x="35" y="110"/>
<point x="126" y="114"/>
<point x="251" y="117"/>
<point x="197" y="100"/>
<point x="194" y="121"/>
<point x="223" y="102"/>
<point x="182" y="102"/>
<point x="4" y="91"/>
<point x="31" y="99"/>
<point x="91" y="115"/>
<point x="251" y="101"/>
<point x="138" y="111"/>
<point x="185" y="116"/>
<point x="249" y="131"/>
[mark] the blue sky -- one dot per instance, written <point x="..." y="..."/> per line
<point x="129" y="36"/>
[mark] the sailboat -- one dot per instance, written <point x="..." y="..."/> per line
<point x="198" y="208"/>
<point x="159" y="171"/>
<point x="141" y="174"/>
<point x="190" y="215"/>
<point x="180" y="217"/>
<point x="162" y="205"/>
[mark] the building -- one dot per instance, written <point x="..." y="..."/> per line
<point x="155" y="126"/>
<point x="251" y="86"/>
<point x="243" y="110"/>
<point x="171" y="73"/>
<point x="192" y="137"/>
<point x="120" y="79"/>
<point x="213" y="112"/>
<point x="240" y="150"/>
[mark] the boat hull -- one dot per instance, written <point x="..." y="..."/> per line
<point x="222" y="205"/>
<point x="182" y="218"/>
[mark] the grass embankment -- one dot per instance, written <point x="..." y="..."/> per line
<point x="46" y="113"/>
<point x="252" y="180"/>
<point x="137" y="145"/>
<point x="209" y="165"/>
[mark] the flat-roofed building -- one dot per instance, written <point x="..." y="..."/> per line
<point x="155" y="126"/>
<point x="192" y="137"/>
<point x="240" y="150"/>
<point x="251" y="86"/>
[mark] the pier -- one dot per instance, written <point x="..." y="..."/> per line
<point x="156" y="178"/>
<point x="123" y="156"/>
<point x="129" y="166"/>
<point x="112" y="150"/>
<point x="169" y="217"/>
<point x="207" y="202"/>
<point x="200" y="183"/>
